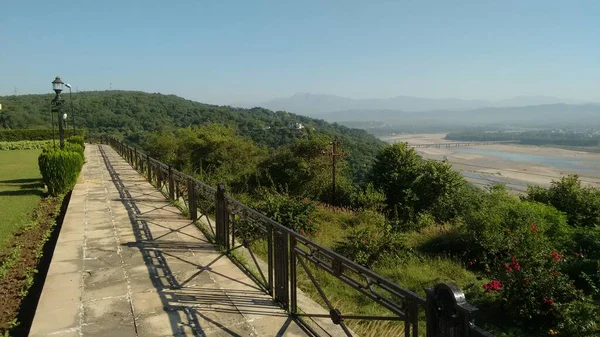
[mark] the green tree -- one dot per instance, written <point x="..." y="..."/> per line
<point x="436" y="187"/>
<point x="394" y="172"/>
<point x="581" y="204"/>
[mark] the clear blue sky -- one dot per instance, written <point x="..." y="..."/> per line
<point x="231" y="51"/>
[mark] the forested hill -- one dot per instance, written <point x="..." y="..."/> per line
<point x="132" y="114"/>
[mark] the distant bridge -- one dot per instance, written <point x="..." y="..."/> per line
<point x="459" y="144"/>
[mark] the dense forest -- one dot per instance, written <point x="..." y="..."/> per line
<point x="132" y="114"/>
<point x="541" y="137"/>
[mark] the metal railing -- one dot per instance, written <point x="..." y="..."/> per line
<point x="288" y="254"/>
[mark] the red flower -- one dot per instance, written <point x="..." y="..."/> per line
<point x="507" y="267"/>
<point x="515" y="263"/>
<point x="494" y="285"/>
<point x="548" y="301"/>
<point x="526" y="282"/>
<point x="533" y="228"/>
<point x="555" y="274"/>
<point x="556" y="256"/>
<point x="470" y="263"/>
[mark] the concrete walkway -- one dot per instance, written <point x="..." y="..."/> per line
<point x="129" y="264"/>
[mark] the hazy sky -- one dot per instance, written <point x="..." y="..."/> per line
<point x="231" y="51"/>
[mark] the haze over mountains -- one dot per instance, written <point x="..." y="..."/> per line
<point x="542" y="110"/>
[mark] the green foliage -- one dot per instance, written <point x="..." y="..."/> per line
<point x="581" y="204"/>
<point x="496" y="228"/>
<point x="368" y="244"/>
<point x="134" y="115"/>
<point x="60" y="169"/>
<point x="213" y="153"/>
<point x="369" y="198"/>
<point x="76" y="140"/>
<point x="300" y="169"/>
<point x="531" y="287"/>
<point x="24" y="145"/>
<point x="73" y="147"/>
<point x="413" y="185"/>
<point x="394" y="172"/>
<point x="13" y="135"/>
<point x="289" y="211"/>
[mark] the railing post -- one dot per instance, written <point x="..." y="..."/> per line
<point x="191" y="187"/>
<point x="447" y="311"/>
<point x="282" y="284"/>
<point x="270" y="256"/>
<point x="171" y="184"/>
<point x="135" y="166"/>
<point x="149" y="169"/>
<point x="222" y="218"/>
<point x="293" y="280"/>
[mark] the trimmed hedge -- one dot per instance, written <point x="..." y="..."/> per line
<point x="13" y="135"/>
<point x="72" y="147"/>
<point x="25" y="145"/>
<point x="60" y="168"/>
<point x="77" y="140"/>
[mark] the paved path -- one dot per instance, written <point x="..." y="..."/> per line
<point x="129" y="264"/>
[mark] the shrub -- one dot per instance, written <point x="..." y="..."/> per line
<point x="76" y="140"/>
<point x="369" y="198"/>
<point x="531" y="287"/>
<point x="60" y="169"/>
<point x="74" y="147"/>
<point x="287" y="210"/>
<point x="368" y="244"/>
<point x="581" y="204"/>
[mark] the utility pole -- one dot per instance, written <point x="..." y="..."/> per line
<point x="334" y="154"/>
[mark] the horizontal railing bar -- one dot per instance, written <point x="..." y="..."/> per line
<point x="366" y="318"/>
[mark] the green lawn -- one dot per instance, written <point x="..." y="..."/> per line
<point x="20" y="190"/>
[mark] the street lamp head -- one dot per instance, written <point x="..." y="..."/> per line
<point x="57" y="85"/>
<point x="68" y="85"/>
<point x="65" y="116"/>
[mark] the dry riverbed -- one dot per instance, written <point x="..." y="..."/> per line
<point x="513" y="164"/>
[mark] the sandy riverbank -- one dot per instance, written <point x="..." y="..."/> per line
<point x="517" y="165"/>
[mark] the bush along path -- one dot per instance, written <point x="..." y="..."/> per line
<point x="20" y="261"/>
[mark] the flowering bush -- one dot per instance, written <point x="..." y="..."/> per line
<point x="530" y="286"/>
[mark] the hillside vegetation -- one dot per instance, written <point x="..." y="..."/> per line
<point x="133" y="114"/>
<point x="531" y="264"/>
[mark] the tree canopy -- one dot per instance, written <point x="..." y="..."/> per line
<point x="133" y="114"/>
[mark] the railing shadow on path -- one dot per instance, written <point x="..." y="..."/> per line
<point x="179" y="296"/>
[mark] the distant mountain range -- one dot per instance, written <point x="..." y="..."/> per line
<point x="319" y="104"/>
<point x="541" y="115"/>
<point x="529" y="110"/>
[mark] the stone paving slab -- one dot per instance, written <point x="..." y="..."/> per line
<point x="127" y="263"/>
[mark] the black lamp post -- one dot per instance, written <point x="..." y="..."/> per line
<point x="57" y="103"/>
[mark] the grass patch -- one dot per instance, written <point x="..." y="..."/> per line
<point x="20" y="190"/>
